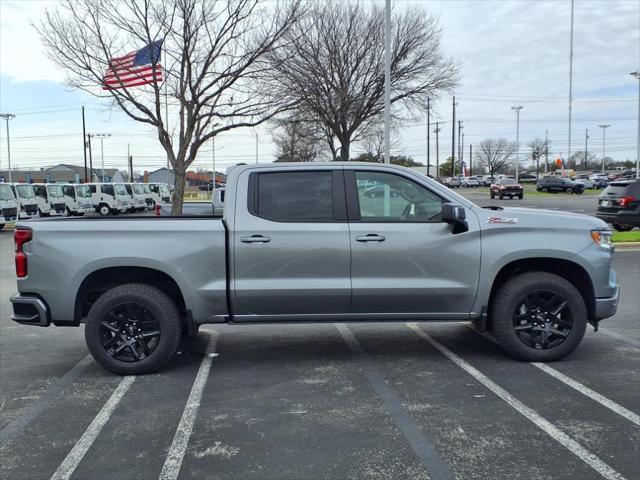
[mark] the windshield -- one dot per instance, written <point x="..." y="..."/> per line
<point x="507" y="181"/>
<point x="138" y="189"/>
<point x="5" y="192"/>
<point x="163" y="188"/>
<point x="120" y="189"/>
<point x="55" y="191"/>
<point x="146" y="188"/>
<point x="83" y="191"/>
<point x="25" y="191"/>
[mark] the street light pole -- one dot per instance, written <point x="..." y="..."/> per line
<point x="387" y="80"/>
<point x="256" y="146"/>
<point x="570" y="82"/>
<point x="102" y="136"/>
<point x="586" y="148"/>
<point x="636" y="74"/>
<point x="517" y="110"/>
<point x="7" y="117"/>
<point x="603" y="127"/>
<point x="437" y="131"/>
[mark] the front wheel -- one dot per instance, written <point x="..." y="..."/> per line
<point x="520" y="196"/>
<point x="544" y="190"/>
<point x="133" y="329"/>
<point x="622" y="227"/>
<point x="104" y="210"/>
<point x="569" y="190"/>
<point x="538" y="317"/>
<point x="492" y="195"/>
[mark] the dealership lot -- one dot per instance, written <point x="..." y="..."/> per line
<point x="323" y="401"/>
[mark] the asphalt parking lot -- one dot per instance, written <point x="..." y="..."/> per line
<point x="331" y="401"/>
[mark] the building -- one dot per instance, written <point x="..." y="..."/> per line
<point x="63" y="173"/>
<point x="194" y="179"/>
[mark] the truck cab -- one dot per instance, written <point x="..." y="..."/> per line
<point x="160" y="193"/>
<point x="26" y="200"/>
<point x="8" y="205"/>
<point x="77" y="199"/>
<point x="124" y="200"/>
<point x="103" y="199"/>
<point x="148" y="196"/>
<point x="50" y="199"/>
<point x="136" y="192"/>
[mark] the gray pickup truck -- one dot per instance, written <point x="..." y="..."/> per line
<point x="319" y="242"/>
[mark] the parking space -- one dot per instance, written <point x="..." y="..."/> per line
<point x="359" y="401"/>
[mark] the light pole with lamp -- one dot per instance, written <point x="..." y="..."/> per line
<point x="102" y="136"/>
<point x="7" y="117"/>
<point x="604" y="128"/>
<point x="636" y="74"/>
<point x="213" y="163"/>
<point x="517" y="110"/>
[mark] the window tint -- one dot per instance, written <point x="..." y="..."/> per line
<point x="107" y="189"/>
<point x="92" y="188"/>
<point x="295" y="196"/>
<point x="385" y="197"/>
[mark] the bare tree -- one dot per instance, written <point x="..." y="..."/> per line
<point x="214" y="52"/>
<point x="298" y="140"/>
<point x="333" y="66"/>
<point x="538" y="148"/>
<point x="372" y="139"/>
<point x="495" y="154"/>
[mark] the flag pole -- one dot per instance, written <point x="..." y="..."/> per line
<point x="166" y="100"/>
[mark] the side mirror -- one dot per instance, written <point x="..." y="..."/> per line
<point x="455" y="216"/>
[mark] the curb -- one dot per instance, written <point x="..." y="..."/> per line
<point x="627" y="246"/>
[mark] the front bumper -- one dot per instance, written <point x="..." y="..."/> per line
<point x="30" y="310"/>
<point x="607" y="307"/>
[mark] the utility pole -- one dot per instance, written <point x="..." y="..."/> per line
<point x="570" y="80"/>
<point x="517" y="110"/>
<point x="636" y="74"/>
<point x="387" y="81"/>
<point x="470" y="159"/>
<point x="7" y="117"/>
<point x="428" y="135"/>
<point x="546" y="151"/>
<point x="453" y="140"/>
<point x="437" y="131"/>
<point x="586" y="148"/>
<point x="256" y="145"/>
<point x="84" y="145"/>
<point x="461" y="141"/>
<point x="604" y="128"/>
<point x="102" y="136"/>
<point x="130" y="161"/>
<point x="90" y="157"/>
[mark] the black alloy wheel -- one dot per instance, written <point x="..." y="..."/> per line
<point x="130" y="332"/>
<point x="542" y="319"/>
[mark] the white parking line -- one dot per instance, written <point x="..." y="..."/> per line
<point x="546" y="426"/>
<point x="602" y="400"/>
<point x="73" y="458"/>
<point x="593" y="395"/>
<point x="622" y="338"/>
<point x="173" y="462"/>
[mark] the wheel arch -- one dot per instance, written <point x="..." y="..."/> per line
<point x="100" y="281"/>
<point x="571" y="271"/>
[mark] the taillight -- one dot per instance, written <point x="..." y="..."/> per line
<point x="625" y="201"/>
<point x="21" y="236"/>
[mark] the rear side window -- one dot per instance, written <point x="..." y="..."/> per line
<point x="107" y="189"/>
<point x="295" y="196"/>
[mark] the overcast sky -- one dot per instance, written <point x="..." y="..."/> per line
<point x="511" y="52"/>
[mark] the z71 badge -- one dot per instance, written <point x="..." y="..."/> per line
<point x="501" y="220"/>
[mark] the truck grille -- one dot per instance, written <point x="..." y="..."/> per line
<point x="148" y="201"/>
<point x="58" y="207"/>
<point x="31" y="208"/>
<point x="9" y="212"/>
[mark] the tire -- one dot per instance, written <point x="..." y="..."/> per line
<point x="520" y="196"/>
<point x="505" y="306"/>
<point x="67" y="212"/>
<point x="622" y="227"/>
<point x="569" y="190"/>
<point x="492" y="195"/>
<point x="544" y="190"/>
<point x="42" y="214"/>
<point x="156" y="304"/>
<point x="103" y="209"/>
<point x="1" y="226"/>
<point x="500" y="196"/>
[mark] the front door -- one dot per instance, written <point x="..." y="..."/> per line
<point x="291" y="247"/>
<point x="404" y="259"/>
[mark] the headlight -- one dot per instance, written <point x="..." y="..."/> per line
<point x="602" y="238"/>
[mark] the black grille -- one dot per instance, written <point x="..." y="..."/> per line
<point x="31" y="208"/>
<point x="9" y="212"/>
<point x="59" y="207"/>
<point x="148" y="201"/>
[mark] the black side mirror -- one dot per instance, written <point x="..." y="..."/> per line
<point x="455" y="216"/>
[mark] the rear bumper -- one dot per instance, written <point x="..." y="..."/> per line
<point x="620" y="216"/>
<point x="30" y="310"/>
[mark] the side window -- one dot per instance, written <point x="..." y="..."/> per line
<point x="107" y="189"/>
<point x="386" y="197"/>
<point x="92" y="188"/>
<point x="295" y="196"/>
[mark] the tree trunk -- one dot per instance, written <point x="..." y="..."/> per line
<point x="344" y="150"/>
<point x="178" y="188"/>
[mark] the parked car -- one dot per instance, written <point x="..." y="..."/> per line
<point x="77" y="199"/>
<point x="378" y="191"/>
<point x="50" y="199"/>
<point x="619" y="204"/>
<point x="8" y="205"/>
<point x="452" y="182"/>
<point x="506" y="187"/>
<point x="527" y="178"/>
<point x="26" y="200"/>
<point x="470" y="182"/>
<point x="300" y="243"/>
<point x="588" y="184"/>
<point x="559" y="184"/>
<point x="159" y="193"/>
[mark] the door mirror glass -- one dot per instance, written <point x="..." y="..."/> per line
<point x="455" y="216"/>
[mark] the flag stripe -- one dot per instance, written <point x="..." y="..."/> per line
<point x="125" y="73"/>
<point x="116" y="87"/>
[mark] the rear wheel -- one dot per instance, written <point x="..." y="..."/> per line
<point x="622" y="227"/>
<point x="103" y="209"/>
<point x="544" y="190"/>
<point x="133" y="329"/>
<point x="569" y="190"/>
<point x="500" y="196"/>
<point x="492" y="195"/>
<point x="520" y="196"/>
<point x="538" y="317"/>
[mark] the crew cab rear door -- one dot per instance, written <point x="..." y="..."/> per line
<point x="404" y="259"/>
<point x="291" y="258"/>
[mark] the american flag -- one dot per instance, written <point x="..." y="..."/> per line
<point x="135" y="68"/>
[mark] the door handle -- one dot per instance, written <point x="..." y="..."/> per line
<point x="255" y="239"/>
<point x="371" y="237"/>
